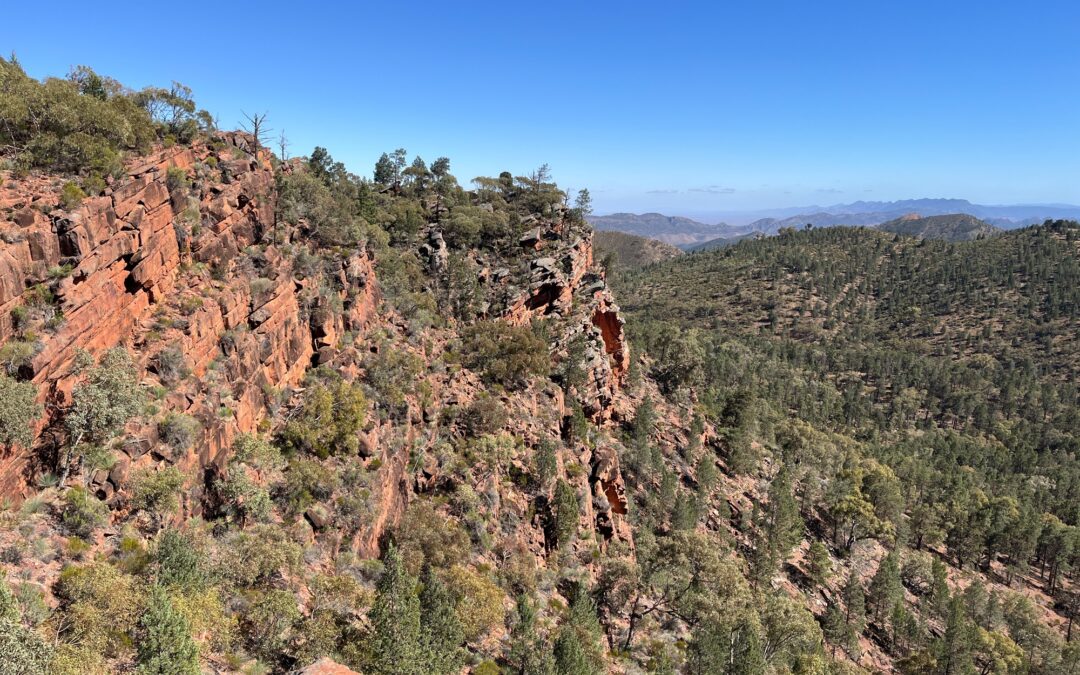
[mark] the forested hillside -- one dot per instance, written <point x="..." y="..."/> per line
<point x="922" y="396"/>
<point x="259" y="413"/>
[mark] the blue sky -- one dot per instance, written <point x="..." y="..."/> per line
<point x="691" y="108"/>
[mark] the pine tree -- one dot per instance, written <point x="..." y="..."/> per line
<point x="855" y="604"/>
<point x="885" y="588"/>
<point x="939" y="588"/>
<point x="395" y="619"/>
<point x="441" y="634"/>
<point x="818" y="563"/>
<point x="835" y="628"/>
<point x="570" y="656"/>
<point x="165" y="647"/>
<point x="529" y="653"/>
<point x="584" y="620"/>
<point x="565" y="513"/>
<point x="955" y="646"/>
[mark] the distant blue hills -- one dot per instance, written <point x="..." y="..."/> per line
<point x="688" y="233"/>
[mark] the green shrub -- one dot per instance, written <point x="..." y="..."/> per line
<point x="255" y="451"/>
<point x="180" y="563"/>
<point x="329" y="420"/>
<point x="256" y="556"/>
<point x="83" y="512"/>
<point x="505" y="354"/>
<point x="103" y="403"/>
<point x="485" y="415"/>
<point x="24" y="651"/>
<point x="392" y="373"/>
<point x="171" y="365"/>
<point x="100" y="606"/>
<point x="306" y="482"/>
<point x="165" y="646"/>
<point x="18" y="410"/>
<point x="71" y="195"/>
<point x="179" y="431"/>
<point x="242" y="499"/>
<point x="156" y="491"/>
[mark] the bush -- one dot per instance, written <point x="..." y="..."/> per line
<point x="425" y="535"/>
<point x="179" y="431"/>
<point x="255" y="451"/>
<point x="392" y="373"/>
<point x="505" y="354"/>
<point x="256" y="556"/>
<point x="156" y="491"/>
<point x="83" y="512"/>
<point x="102" y="603"/>
<point x="24" y="651"/>
<point x="479" y="601"/>
<point x="306" y="482"/>
<point x="171" y="365"/>
<point x="485" y="415"/>
<point x="18" y="410"/>
<point x="243" y="499"/>
<point x="71" y="195"/>
<point x="83" y="122"/>
<point x="165" y="645"/>
<point x="179" y="562"/>
<point x="103" y="403"/>
<point x="329" y="420"/>
<point x="565" y="514"/>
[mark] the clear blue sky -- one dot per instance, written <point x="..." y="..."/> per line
<point x="683" y="107"/>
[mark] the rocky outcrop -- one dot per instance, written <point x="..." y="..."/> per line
<point x="565" y="284"/>
<point x="239" y="319"/>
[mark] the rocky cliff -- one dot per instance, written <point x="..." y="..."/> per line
<point x="160" y="271"/>
<point x="180" y="260"/>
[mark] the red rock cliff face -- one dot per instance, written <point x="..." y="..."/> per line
<point x="565" y="283"/>
<point x="153" y="272"/>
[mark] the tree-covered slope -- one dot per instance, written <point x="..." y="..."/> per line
<point x="924" y="396"/>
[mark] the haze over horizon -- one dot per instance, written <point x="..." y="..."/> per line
<point x="719" y="110"/>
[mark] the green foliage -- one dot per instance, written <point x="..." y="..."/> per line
<point x="886" y="590"/>
<point x="179" y="431"/>
<point x="255" y="451"/>
<point x="565" y="514"/>
<point x="18" y="410"/>
<point x="100" y="608"/>
<point x="505" y="354"/>
<point x="392" y="373"/>
<point x="268" y="621"/>
<point x="83" y="513"/>
<point x="156" y="490"/>
<point x="104" y="402"/>
<point x="427" y="536"/>
<point x="818" y="563"/>
<point x="395" y="620"/>
<point x="256" y="556"/>
<point x="485" y="415"/>
<point x="75" y="124"/>
<point x="306" y="482"/>
<point x="329" y="420"/>
<point x="71" y="195"/>
<point x="180" y="563"/>
<point x="529" y="653"/>
<point x="242" y="499"/>
<point x="165" y="646"/>
<point x="24" y="651"/>
<point x="441" y="634"/>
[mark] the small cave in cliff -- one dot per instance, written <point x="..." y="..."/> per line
<point x="544" y="297"/>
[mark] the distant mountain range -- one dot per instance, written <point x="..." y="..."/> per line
<point x="951" y="227"/>
<point x="691" y="234"/>
<point x="629" y="251"/>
